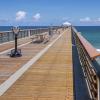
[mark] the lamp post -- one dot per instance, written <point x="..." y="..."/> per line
<point x="15" y="52"/>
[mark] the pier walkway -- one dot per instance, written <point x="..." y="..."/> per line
<point x="9" y="45"/>
<point x="49" y="78"/>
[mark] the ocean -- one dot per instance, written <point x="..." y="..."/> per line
<point x="8" y="28"/>
<point x="91" y="33"/>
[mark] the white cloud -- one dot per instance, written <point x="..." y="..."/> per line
<point x="36" y="17"/>
<point x="20" y="15"/>
<point x="86" y="19"/>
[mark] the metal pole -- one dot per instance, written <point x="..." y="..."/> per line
<point x="15" y="43"/>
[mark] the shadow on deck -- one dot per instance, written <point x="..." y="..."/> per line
<point x="80" y="87"/>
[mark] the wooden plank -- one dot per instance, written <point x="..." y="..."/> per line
<point x="13" y="64"/>
<point x="9" y="45"/>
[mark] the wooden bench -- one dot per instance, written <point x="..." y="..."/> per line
<point x="38" y="38"/>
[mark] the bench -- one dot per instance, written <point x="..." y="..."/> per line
<point x="38" y="38"/>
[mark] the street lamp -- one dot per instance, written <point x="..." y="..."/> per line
<point x="15" y="52"/>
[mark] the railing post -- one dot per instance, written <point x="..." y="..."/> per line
<point x="29" y="33"/>
<point x="0" y="37"/>
<point x="98" y="80"/>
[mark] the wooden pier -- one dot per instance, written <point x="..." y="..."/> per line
<point x="63" y="68"/>
<point x="49" y="78"/>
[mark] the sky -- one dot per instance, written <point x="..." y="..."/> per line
<point x="49" y="12"/>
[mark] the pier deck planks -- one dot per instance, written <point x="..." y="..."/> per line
<point x="9" y="45"/>
<point x="50" y="78"/>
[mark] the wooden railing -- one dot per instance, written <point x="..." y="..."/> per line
<point x="87" y="55"/>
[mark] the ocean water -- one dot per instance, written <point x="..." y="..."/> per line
<point x="91" y="33"/>
<point x="8" y="28"/>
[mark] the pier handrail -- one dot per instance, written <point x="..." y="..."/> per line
<point x="91" y="70"/>
<point x="6" y="36"/>
<point x="93" y="53"/>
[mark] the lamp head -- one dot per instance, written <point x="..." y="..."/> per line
<point x="16" y="30"/>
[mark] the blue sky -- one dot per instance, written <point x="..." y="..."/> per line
<point x="47" y="12"/>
